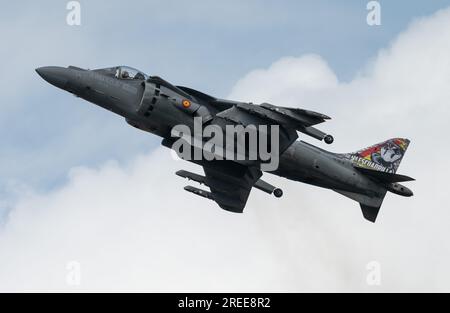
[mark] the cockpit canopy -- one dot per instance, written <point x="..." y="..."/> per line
<point x="126" y="72"/>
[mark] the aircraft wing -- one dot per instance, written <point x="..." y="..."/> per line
<point x="300" y="119"/>
<point x="291" y="119"/>
<point x="230" y="183"/>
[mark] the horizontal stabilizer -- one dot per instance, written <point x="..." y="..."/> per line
<point x="370" y="205"/>
<point x="384" y="177"/>
<point x="374" y="201"/>
<point x="370" y="213"/>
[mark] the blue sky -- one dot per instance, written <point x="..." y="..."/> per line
<point x="208" y="45"/>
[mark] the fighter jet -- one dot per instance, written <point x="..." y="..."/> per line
<point x="154" y="105"/>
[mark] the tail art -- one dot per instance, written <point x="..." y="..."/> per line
<point x="383" y="157"/>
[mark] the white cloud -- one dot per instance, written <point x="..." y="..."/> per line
<point x="288" y="79"/>
<point x="133" y="227"/>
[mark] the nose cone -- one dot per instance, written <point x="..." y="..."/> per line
<point x="57" y="76"/>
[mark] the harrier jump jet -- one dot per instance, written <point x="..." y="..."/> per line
<point x="154" y="105"/>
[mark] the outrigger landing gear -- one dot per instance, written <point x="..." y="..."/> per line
<point x="328" y="139"/>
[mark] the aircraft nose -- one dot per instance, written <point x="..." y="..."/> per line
<point x="57" y="76"/>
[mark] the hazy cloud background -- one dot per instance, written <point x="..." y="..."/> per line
<point x="130" y="224"/>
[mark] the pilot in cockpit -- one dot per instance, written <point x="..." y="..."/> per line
<point x="125" y="75"/>
<point x="126" y="72"/>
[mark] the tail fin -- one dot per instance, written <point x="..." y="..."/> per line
<point x="382" y="157"/>
<point x="380" y="162"/>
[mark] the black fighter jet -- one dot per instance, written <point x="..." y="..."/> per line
<point x="249" y="139"/>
